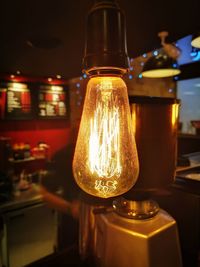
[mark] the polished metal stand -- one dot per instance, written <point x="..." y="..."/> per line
<point x="136" y="233"/>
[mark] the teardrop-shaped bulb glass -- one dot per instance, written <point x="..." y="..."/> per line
<point x="105" y="162"/>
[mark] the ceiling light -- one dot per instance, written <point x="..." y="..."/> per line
<point x="196" y="40"/>
<point x="162" y="64"/>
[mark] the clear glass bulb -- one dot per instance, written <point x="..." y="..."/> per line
<point x="105" y="162"/>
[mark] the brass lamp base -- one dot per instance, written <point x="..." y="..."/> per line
<point x="121" y="241"/>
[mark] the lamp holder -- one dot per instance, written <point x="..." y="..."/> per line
<point x="105" y="44"/>
<point x="170" y="49"/>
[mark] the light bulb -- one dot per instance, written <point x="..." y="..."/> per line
<point x="105" y="161"/>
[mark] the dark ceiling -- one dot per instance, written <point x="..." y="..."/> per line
<point x="46" y="38"/>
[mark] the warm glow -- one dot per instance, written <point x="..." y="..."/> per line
<point x="56" y="88"/>
<point x="104" y="137"/>
<point x="20" y="87"/>
<point x="105" y="161"/>
<point x="160" y="73"/>
<point x="196" y="42"/>
<point x="133" y="117"/>
<point x="175" y="110"/>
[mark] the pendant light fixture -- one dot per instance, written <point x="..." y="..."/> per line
<point x="105" y="161"/>
<point x="164" y="64"/>
<point x="196" y="40"/>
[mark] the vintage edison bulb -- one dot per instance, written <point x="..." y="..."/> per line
<point x="105" y="162"/>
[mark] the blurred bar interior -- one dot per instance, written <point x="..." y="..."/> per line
<point x="154" y="217"/>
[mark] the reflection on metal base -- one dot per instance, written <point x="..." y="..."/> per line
<point x="126" y="242"/>
<point x="137" y="210"/>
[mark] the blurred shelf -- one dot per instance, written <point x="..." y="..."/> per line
<point x="29" y="197"/>
<point x="25" y="160"/>
<point x="189" y="136"/>
<point x="185" y="168"/>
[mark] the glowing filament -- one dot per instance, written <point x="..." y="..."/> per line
<point x="104" y="141"/>
<point x="105" y="161"/>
